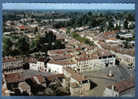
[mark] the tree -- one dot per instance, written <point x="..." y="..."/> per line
<point x="7" y="45"/>
<point x="36" y="30"/>
<point x="23" y="46"/>
<point x="91" y="43"/>
<point x="87" y="41"/>
<point x="118" y="27"/>
<point x="126" y="44"/>
<point x="58" y="44"/>
<point x="33" y="44"/>
<point x="110" y="26"/>
<point x="48" y="42"/>
<point x="90" y="13"/>
<point x="68" y="31"/>
<point x="102" y="29"/>
<point x="126" y="24"/>
<point x="14" y="52"/>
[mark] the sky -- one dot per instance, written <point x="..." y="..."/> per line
<point x="55" y="6"/>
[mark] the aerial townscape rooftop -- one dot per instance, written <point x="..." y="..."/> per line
<point x="68" y="53"/>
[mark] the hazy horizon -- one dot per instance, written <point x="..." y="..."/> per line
<point x="63" y="6"/>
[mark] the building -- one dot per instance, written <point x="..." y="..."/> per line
<point x="80" y="60"/>
<point x="57" y="66"/>
<point x="77" y="82"/>
<point x="124" y="35"/>
<point x="120" y="88"/>
<point x="4" y="90"/>
<point x="24" y="87"/>
<point x="126" y="59"/>
<point x="39" y="80"/>
<point x="38" y="65"/>
<point x="87" y="63"/>
<point x="95" y="61"/>
<point x="63" y="30"/>
<point x="21" y="28"/>
<point x="106" y="57"/>
<point x="53" y="77"/>
<point x="20" y="82"/>
<point x="59" y="52"/>
<point x="12" y="64"/>
<point x="14" y="78"/>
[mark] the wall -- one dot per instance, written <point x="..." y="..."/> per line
<point x="39" y="66"/>
<point x="55" y="68"/>
<point x="80" y="90"/>
<point x="109" y="92"/>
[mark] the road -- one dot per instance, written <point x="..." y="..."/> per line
<point x="120" y="73"/>
<point x="124" y="72"/>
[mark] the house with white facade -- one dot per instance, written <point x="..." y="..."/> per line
<point x="126" y="59"/>
<point x="57" y="66"/>
<point x="84" y="61"/>
<point x="38" y="65"/>
<point x="95" y="61"/>
<point x="128" y="35"/>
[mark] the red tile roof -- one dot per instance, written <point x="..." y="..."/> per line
<point x="40" y="78"/>
<point x="109" y="33"/>
<point x="21" y="27"/>
<point x="103" y="53"/>
<point x="10" y="59"/>
<point x="14" y="77"/>
<point x="30" y="60"/>
<point x="61" y="62"/>
<point x="55" y="76"/>
<point x="74" y="85"/>
<point x="112" y="39"/>
<point x="123" y="85"/>
<point x="85" y="57"/>
<point x="42" y="59"/>
<point x="60" y="51"/>
<point x="75" y="75"/>
<point x="60" y="57"/>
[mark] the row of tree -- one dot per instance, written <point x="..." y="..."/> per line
<point x="94" y="20"/>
